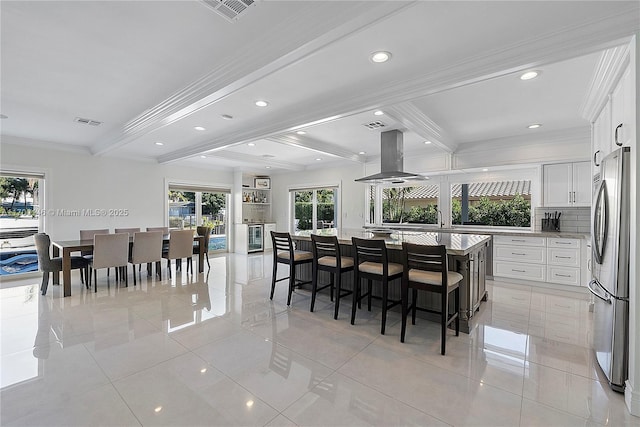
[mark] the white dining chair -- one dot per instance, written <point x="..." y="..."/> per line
<point x="147" y="248"/>
<point x="110" y="250"/>
<point x="180" y="246"/>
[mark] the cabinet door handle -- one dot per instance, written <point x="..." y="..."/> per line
<point x="563" y="257"/>
<point x="516" y="253"/>
<point x="562" y="275"/>
<point x="574" y="197"/>
<point x="562" y="243"/>
<point x="516" y="240"/>
<point x="595" y="161"/>
<point x="517" y="271"/>
<point x="618" y="143"/>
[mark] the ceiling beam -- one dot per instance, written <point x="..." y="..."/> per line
<point x="317" y="146"/>
<point x="256" y="160"/>
<point x="574" y="41"/>
<point x="416" y="121"/>
<point x="253" y="65"/>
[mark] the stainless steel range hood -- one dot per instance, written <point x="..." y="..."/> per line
<point x="391" y="161"/>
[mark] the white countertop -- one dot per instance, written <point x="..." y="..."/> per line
<point x="456" y="243"/>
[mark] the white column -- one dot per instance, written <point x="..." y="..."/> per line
<point x="632" y="390"/>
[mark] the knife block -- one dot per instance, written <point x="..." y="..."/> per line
<point x="550" y="224"/>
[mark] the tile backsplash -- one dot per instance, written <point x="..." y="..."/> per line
<point x="572" y="220"/>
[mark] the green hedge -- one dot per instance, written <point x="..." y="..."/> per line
<point x="304" y="213"/>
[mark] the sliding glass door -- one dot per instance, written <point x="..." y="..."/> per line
<point x="190" y="207"/>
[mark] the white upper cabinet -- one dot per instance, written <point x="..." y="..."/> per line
<point x="622" y="112"/>
<point x="567" y="184"/>
<point x="602" y="135"/>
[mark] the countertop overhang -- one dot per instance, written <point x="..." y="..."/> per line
<point x="485" y="231"/>
<point x="456" y="243"/>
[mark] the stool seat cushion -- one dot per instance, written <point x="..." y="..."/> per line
<point x="297" y="255"/>
<point x="434" y="277"/>
<point x="376" y="268"/>
<point x="330" y="261"/>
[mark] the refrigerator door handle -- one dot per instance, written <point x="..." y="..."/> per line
<point x="606" y="298"/>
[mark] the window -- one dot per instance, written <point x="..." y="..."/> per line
<point x="410" y="204"/>
<point x="314" y="208"/>
<point x="191" y="206"/>
<point x="20" y="219"/>
<point x="497" y="204"/>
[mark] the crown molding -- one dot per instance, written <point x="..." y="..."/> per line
<point x="571" y="42"/>
<point x="317" y="146"/>
<point x="47" y="145"/>
<point x="554" y="137"/>
<point x="415" y="120"/>
<point x="253" y="65"/>
<point x="610" y="67"/>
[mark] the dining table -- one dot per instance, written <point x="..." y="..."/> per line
<point x="67" y="247"/>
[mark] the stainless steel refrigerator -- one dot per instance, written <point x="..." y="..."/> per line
<point x="610" y="267"/>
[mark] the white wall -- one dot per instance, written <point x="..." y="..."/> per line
<point x="75" y="180"/>
<point x="352" y="194"/>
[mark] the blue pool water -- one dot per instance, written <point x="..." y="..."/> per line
<point x="18" y="262"/>
<point x="217" y="242"/>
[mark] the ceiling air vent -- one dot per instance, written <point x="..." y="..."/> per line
<point x="374" y="125"/>
<point x="231" y="10"/>
<point x="87" y="121"/>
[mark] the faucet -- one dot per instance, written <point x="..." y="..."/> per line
<point x="440" y="218"/>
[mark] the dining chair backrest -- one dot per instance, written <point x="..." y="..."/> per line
<point x="180" y="244"/>
<point x="369" y="250"/>
<point x="165" y="230"/>
<point x="43" y="243"/>
<point x="325" y="246"/>
<point x="426" y="258"/>
<point x="282" y="244"/>
<point x="88" y="235"/>
<point x="127" y="230"/>
<point x="206" y="233"/>
<point x="110" y="250"/>
<point x="147" y="247"/>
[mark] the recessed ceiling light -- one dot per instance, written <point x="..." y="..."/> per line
<point x="159" y="143"/>
<point x="251" y="144"/>
<point x="203" y="157"/>
<point x="427" y="142"/>
<point x="485" y="170"/>
<point x="362" y="153"/>
<point x="267" y="167"/>
<point x="301" y="132"/>
<point x="530" y="75"/>
<point x="381" y="56"/>
<point x="203" y="370"/>
<point x="534" y="126"/>
<point x="158" y="409"/>
<point x="261" y="103"/>
<point x="378" y="113"/>
<point x="3" y="116"/>
<point x="199" y="128"/>
<point x="318" y="159"/>
<point x="249" y="403"/>
<point x="227" y="117"/>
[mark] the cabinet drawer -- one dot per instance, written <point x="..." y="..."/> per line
<point x="563" y="275"/>
<point x="563" y="257"/>
<point x="553" y="242"/>
<point x="520" y="254"/>
<point x="519" y="271"/>
<point x="519" y="241"/>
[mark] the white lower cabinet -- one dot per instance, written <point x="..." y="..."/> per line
<point x="539" y="259"/>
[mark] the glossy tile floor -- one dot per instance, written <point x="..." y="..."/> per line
<point x="214" y="350"/>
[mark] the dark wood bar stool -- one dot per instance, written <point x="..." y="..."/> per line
<point x="371" y="263"/>
<point x="426" y="270"/>
<point x="327" y="257"/>
<point x="285" y="253"/>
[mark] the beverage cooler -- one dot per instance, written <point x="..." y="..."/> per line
<point x="256" y="238"/>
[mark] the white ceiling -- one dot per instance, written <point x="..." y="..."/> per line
<point x="151" y="71"/>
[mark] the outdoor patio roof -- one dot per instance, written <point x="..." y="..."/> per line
<point x="476" y="189"/>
